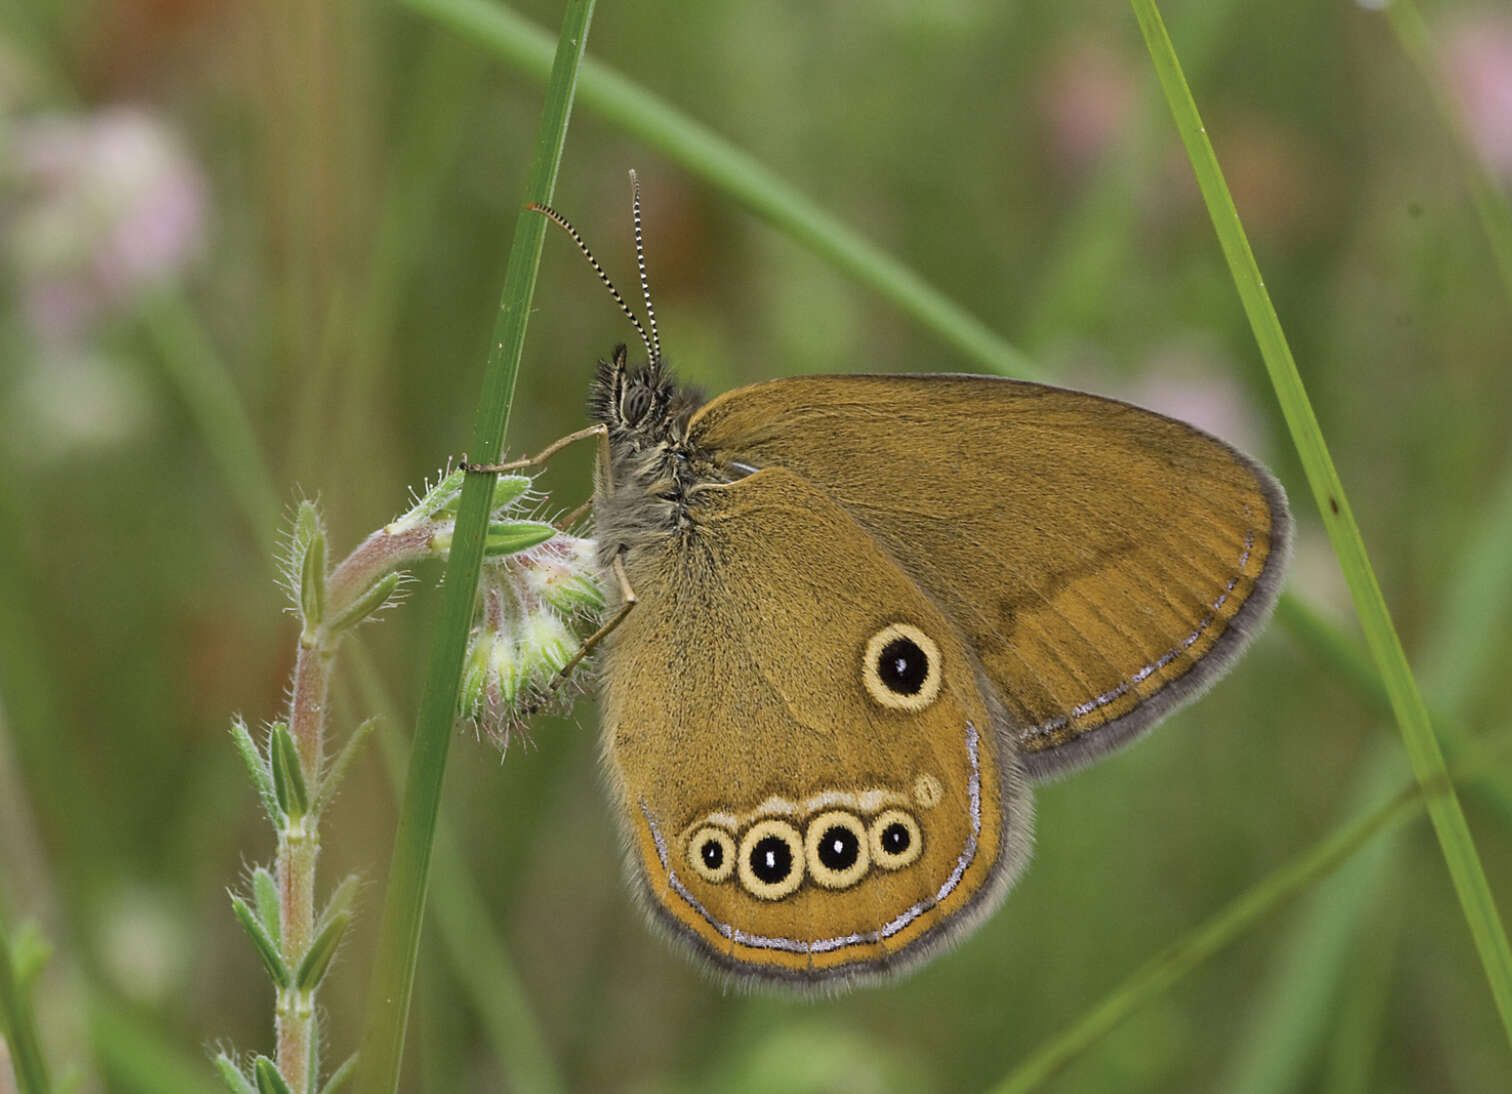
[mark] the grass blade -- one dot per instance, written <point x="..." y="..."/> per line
<point x="1386" y="649"/>
<point x="1171" y="964"/>
<point x="18" y="1025"/>
<point x="404" y="901"/>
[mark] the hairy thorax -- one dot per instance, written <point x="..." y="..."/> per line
<point x="653" y="465"/>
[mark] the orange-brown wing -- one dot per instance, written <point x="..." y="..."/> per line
<point x="1105" y="563"/>
<point x="795" y="812"/>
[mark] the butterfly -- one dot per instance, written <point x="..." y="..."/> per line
<point x="854" y="619"/>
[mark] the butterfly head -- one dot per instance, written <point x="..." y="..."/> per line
<point x="640" y="404"/>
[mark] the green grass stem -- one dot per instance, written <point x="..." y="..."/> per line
<point x="188" y="357"/>
<point x="18" y="1024"/>
<point x="468" y="933"/>
<point x="404" y="903"/>
<point x="1174" y="962"/>
<point x="1444" y="809"/>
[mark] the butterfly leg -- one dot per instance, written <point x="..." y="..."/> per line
<point x="599" y="431"/>
<point x="627" y="601"/>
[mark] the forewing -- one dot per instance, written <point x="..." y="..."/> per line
<point x="1103" y="562"/>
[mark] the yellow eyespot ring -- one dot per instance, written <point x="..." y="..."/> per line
<point x="838" y="849"/>
<point x="770" y="862"/>
<point x="711" y="854"/>
<point x="896" y="841"/>
<point x="901" y="667"/>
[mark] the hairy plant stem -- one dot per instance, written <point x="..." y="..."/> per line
<point x="298" y="849"/>
<point x="299" y="837"/>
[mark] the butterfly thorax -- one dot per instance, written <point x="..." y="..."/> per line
<point x="653" y="464"/>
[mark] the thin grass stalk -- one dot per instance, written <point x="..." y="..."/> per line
<point x="1286" y="1030"/>
<point x="480" y="959"/>
<point x="1175" y="961"/>
<point x="1411" y="712"/>
<point x="404" y="901"/>
<point x="18" y="1026"/>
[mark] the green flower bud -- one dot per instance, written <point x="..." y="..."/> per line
<point x="562" y="572"/>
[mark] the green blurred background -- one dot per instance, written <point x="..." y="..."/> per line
<point x="295" y="216"/>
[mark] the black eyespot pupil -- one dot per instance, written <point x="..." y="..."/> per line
<point x="771" y="860"/>
<point x="902" y="666"/>
<point x="712" y="854"/>
<point x="896" y="838"/>
<point x="839" y="849"/>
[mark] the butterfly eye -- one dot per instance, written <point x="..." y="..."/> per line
<point x="771" y="859"/>
<point x="711" y="853"/>
<point x="838" y="849"/>
<point x="901" y="667"/>
<point x="895" y="840"/>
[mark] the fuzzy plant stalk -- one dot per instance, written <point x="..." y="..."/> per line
<point x="538" y="590"/>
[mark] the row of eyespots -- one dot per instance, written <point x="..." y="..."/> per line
<point x="836" y="850"/>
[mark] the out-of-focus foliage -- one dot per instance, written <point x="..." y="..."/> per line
<point x="292" y="217"/>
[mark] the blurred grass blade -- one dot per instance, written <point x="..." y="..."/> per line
<point x="1386" y="648"/>
<point x="1171" y="964"/>
<point x="1490" y="199"/>
<point x="1323" y="958"/>
<point x="404" y="903"/>
<point x="18" y="1024"/>
<point x="707" y="155"/>
<point x="1297" y="1000"/>
<point x="138" y="1057"/>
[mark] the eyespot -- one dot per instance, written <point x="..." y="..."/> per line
<point x="771" y="859"/>
<point x="927" y="791"/>
<point x="838" y="849"/>
<point x="711" y="854"/>
<point x="895" y="840"/>
<point x="901" y="667"/>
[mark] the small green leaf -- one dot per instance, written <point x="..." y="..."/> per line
<point x="257" y="766"/>
<point x="269" y="1081"/>
<point x="341" y="900"/>
<point x="370" y="601"/>
<point x="288" y="774"/>
<point x="341" y="1076"/>
<point x="265" y="900"/>
<point x="511" y="537"/>
<point x="232" y="1075"/>
<point x="507" y="490"/>
<point x="306" y="526"/>
<point x="317" y="959"/>
<point x="342" y="764"/>
<point x="312" y="582"/>
<point x="266" y="948"/>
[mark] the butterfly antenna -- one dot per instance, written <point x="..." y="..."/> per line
<point x="561" y="222"/>
<point x="640" y="261"/>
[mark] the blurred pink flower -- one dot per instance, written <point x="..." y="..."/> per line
<point x="1477" y="62"/>
<point x="1084" y="98"/>
<point x="100" y="206"/>
<point x="1188" y="377"/>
